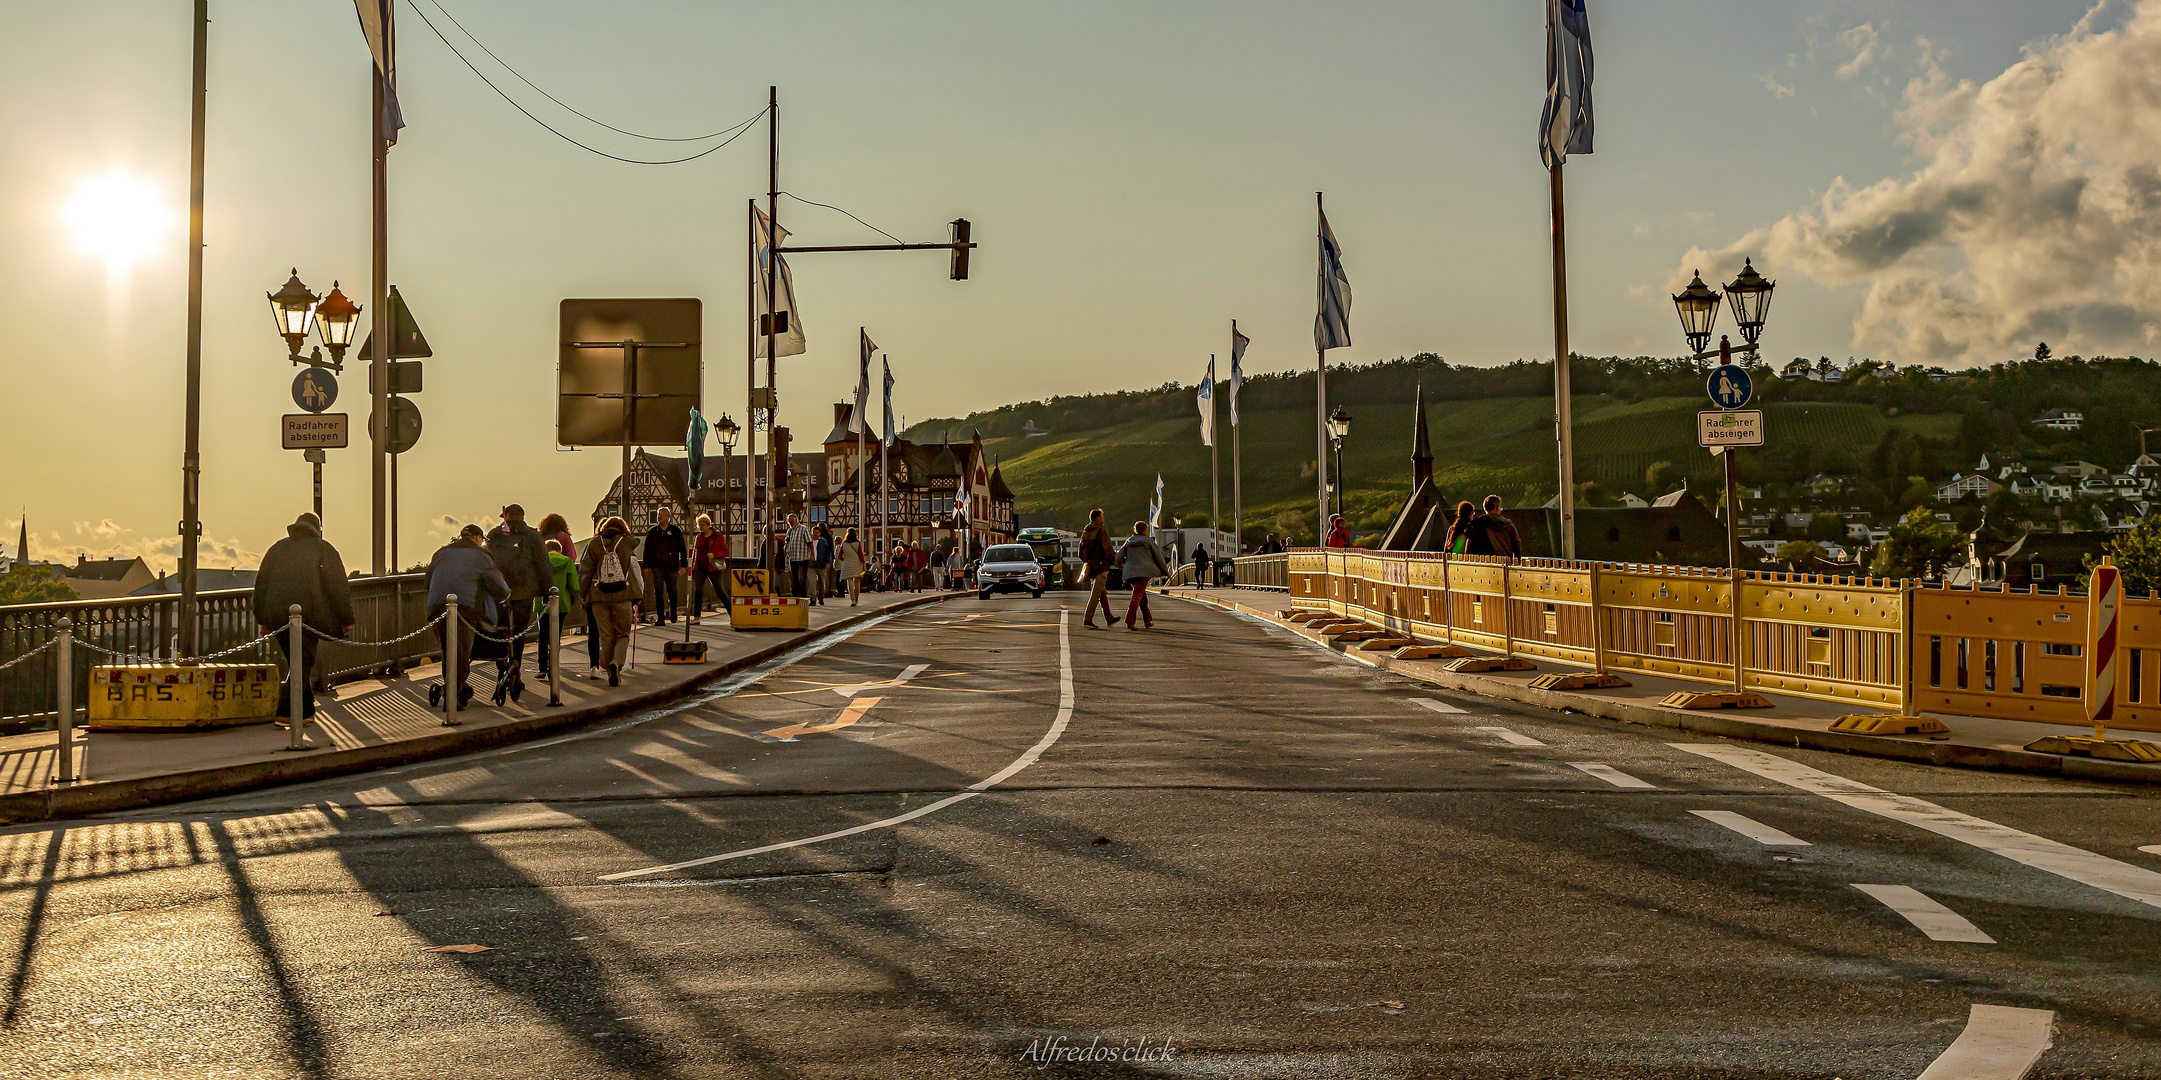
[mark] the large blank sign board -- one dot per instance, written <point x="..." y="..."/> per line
<point x="590" y="370"/>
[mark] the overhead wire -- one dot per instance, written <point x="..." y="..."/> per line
<point x="737" y="131"/>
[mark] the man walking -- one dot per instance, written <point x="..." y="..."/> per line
<point x="302" y="569"/>
<point x="521" y="553"/>
<point x="821" y="564"/>
<point x="802" y="551"/>
<point x="462" y="568"/>
<point x="663" y="560"/>
<point x="1097" y="555"/>
<point x="1492" y="534"/>
<point x="1200" y="566"/>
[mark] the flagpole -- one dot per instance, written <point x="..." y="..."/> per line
<point x="750" y="546"/>
<point x="1564" y="426"/>
<point x="884" y="518"/>
<point x="862" y="450"/>
<point x="1238" y="502"/>
<point x="1215" y="482"/>
<point x="382" y="326"/>
<point x="1320" y="424"/>
<point x="772" y="293"/>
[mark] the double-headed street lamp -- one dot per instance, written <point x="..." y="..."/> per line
<point x="334" y="317"/>
<point x="1339" y="426"/>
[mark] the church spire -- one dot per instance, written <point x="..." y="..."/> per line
<point x="22" y="539"/>
<point x="1421" y="444"/>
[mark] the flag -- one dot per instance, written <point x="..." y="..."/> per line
<point x="862" y="383"/>
<point x="694" y="449"/>
<point x="960" y="501"/>
<point x="1238" y="376"/>
<point x="890" y="434"/>
<point x="1332" y="325"/>
<point x="1566" y="126"/>
<point x="1208" y="404"/>
<point x="377" y="27"/>
<point x="789" y="343"/>
<point x="1155" y="506"/>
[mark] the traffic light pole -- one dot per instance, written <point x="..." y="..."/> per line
<point x="191" y="466"/>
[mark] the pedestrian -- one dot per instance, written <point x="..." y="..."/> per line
<point x="464" y="569"/>
<point x="1459" y="533"/>
<point x="1492" y="534"/>
<point x="801" y="552"/>
<point x="1097" y="558"/>
<point x="917" y="563"/>
<point x="563" y="575"/>
<point x="709" y="566"/>
<point x="302" y="569"/>
<point x="553" y="527"/>
<point x="851" y="565"/>
<point x="1339" y="533"/>
<point x="821" y="564"/>
<point x="612" y="591"/>
<point x="521" y="553"/>
<point x="1139" y="560"/>
<point x="663" y="557"/>
<point x="1200" y="565"/>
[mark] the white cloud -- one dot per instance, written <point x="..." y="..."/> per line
<point x="2036" y="212"/>
<point x="1770" y="82"/>
<point x="1866" y="46"/>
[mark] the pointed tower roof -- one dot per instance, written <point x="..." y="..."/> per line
<point x="22" y="539"/>
<point x="1421" y="443"/>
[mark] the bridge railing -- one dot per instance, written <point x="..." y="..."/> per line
<point x="1833" y="638"/>
<point x="145" y="629"/>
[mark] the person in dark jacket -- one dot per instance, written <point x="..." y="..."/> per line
<point x="302" y="569"/>
<point x="1097" y="556"/>
<point x="463" y="568"/>
<point x="663" y="559"/>
<point x="521" y="553"/>
<point x="1492" y="534"/>
<point x="1200" y="566"/>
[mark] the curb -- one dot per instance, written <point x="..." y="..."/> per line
<point x="95" y="797"/>
<point x="1726" y="725"/>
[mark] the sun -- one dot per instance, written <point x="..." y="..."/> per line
<point x="118" y="218"/>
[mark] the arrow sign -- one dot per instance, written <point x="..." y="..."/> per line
<point x="406" y="340"/>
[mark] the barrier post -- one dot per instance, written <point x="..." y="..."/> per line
<point x="555" y="647"/>
<point x="1508" y="622"/>
<point x="296" y="676"/>
<point x="64" y="650"/>
<point x="1737" y="642"/>
<point x="1598" y="627"/>
<point x="453" y="687"/>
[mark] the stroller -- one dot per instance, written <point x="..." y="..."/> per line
<point x="490" y="642"/>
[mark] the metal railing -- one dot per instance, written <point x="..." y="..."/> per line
<point x="145" y="629"/>
<point x="1262" y="571"/>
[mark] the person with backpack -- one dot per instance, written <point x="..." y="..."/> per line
<point x="1139" y="560"/>
<point x="709" y="566"/>
<point x="612" y="591"/>
<point x="464" y="569"/>
<point x="1459" y="532"/>
<point x="563" y="575"/>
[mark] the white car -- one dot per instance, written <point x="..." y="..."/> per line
<point x="1008" y="568"/>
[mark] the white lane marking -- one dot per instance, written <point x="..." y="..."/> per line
<point x="1999" y="1043"/>
<point x="907" y="673"/>
<point x="1436" y="706"/>
<point x="2039" y="852"/>
<point x="2151" y="849"/>
<point x="1751" y="828"/>
<point x="1510" y="737"/>
<point x="1937" y="921"/>
<point x="848" y="716"/>
<point x="1613" y="776"/>
<point x="1057" y="728"/>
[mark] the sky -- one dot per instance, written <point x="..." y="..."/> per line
<point x="1935" y="182"/>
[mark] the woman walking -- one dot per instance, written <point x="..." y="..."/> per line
<point x="708" y="566"/>
<point x="612" y="590"/>
<point x="1459" y="534"/>
<point x="851" y="563"/>
<point x="1139" y="560"/>
<point x="553" y="527"/>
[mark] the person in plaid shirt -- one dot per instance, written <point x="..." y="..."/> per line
<point x="800" y="554"/>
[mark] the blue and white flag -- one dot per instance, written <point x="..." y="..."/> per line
<point x="694" y="449"/>
<point x="1332" y="325"/>
<point x="862" y="384"/>
<point x="1155" y="506"/>
<point x="380" y="29"/>
<point x="1566" y="126"/>
<point x="890" y="434"/>
<point x="1238" y="376"/>
<point x="767" y="236"/>
<point x="1208" y="404"/>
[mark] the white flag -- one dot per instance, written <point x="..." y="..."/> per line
<point x="1332" y="325"/>
<point x="890" y="433"/>
<point x="862" y="384"/>
<point x="1208" y="404"/>
<point x="789" y="342"/>
<point x="1238" y="376"/>
<point x="381" y="31"/>
<point x="1566" y="126"/>
<point x="960" y="501"/>
<point x="1155" y="508"/>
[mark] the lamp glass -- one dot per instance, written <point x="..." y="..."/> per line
<point x="293" y="307"/>
<point x="1750" y="295"/>
<point x="336" y="318"/>
<point x="1339" y="423"/>
<point x="1698" y="307"/>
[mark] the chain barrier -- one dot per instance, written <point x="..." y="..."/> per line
<point x="31" y="653"/>
<point x="532" y="630"/>
<point x="424" y="628"/>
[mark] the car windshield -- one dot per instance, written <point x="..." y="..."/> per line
<point x="1009" y="553"/>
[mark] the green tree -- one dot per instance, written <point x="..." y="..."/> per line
<point x="1658" y="478"/>
<point x="33" y="585"/>
<point x="2137" y="555"/>
<point x="1919" y="547"/>
<point x="1798" y="553"/>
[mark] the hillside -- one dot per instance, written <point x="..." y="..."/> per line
<point x="1492" y="432"/>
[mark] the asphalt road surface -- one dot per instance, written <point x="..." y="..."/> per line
<point x="981" y="839"/>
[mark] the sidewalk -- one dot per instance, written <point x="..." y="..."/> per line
<point x="1974" y="742"/>
<point x="377" y="722"/>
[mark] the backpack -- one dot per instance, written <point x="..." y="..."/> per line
<point x="609" y="576"/>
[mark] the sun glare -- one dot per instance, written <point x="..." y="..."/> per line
<point x="117" y="218"/>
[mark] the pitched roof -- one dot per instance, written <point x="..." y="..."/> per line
<point x="842" y="411"/>
<point x="998" y="488"/>
<point x="102" y="569"/>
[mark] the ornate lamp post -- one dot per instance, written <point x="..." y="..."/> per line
<point x="293" y="307"/>
<point x="727" y="430"/>
<point x="1339" y="427"/>
<point x="1698" y="307"/>
<point x="336" y="319"/>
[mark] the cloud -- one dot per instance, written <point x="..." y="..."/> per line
<point x="1866" y="46"/>
<point x="1779" y="90"/>
<point x="2035" y="214"/>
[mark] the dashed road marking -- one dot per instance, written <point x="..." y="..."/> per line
<point x="1999" y="1043"/>
<point x="1435" y="705"/>
<point x="2151" y="849"/>
<point x="1510" y="737"/>
<point x="847" y="717"/>
<point x="1937" y="921"/>
<point x="1751" y="828"/>
<point x="1613" y="776"/>
<point x="2039" y="852"/>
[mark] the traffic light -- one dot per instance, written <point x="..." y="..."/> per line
<point x="960" y="249"/>
<point x="777" y="476"/>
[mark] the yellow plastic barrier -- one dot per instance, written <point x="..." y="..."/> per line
<point x="167" y="698"/>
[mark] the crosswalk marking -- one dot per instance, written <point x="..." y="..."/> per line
<point x="1937" y="921"/>
<point x="1613" y="776"/>
<point x="1999" y="1043"/>
<point x="1751" y="828"/>
<point x="1436" y="706"/>
<point x="1510" y="737"/>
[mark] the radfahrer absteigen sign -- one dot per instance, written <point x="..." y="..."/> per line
<point x="1736" y="427"/>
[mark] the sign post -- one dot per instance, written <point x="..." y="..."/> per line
<point x="315" y="389"/>
<point x="1729" y="388"/>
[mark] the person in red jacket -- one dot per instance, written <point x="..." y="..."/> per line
<point x="1339" y="533"/>
<point x="708" y="563"/>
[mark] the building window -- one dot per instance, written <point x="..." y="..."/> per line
<point x="1613" y="535"/>
<point x="2055" y="649"/>
<point x="1935" y="661"/>
<point x="2036" y="571"/>
<point x="1962" y="663"/>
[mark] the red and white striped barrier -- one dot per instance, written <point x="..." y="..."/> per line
<point x="2104" y="595"/>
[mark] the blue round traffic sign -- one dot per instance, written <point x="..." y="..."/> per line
<point x="1729" y="386"/>
<point x="315" y="389"/>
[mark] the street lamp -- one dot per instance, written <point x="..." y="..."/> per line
<point x="336" y="318"/>
<point x="726" y="430"/>
<point x="1339" y="426"/>
<point x="293" y="306"/>
<point x="1750" y="295"/>
<point x="1698" y="306"/>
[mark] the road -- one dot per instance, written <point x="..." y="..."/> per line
<point x="968" y="839"/>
